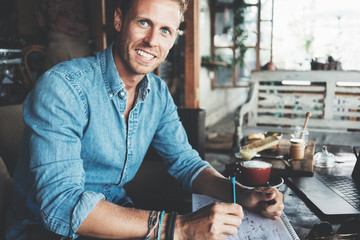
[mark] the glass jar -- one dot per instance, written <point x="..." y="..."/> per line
<point x="298" y="131"/>
<point x="297" y="148"/>
<point x="324" y="159"/>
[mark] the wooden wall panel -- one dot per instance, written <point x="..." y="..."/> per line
<point x="192" y="55"/>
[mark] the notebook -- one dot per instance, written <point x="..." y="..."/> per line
<point x="332" y="198"/>
<point x="253" y="226"/>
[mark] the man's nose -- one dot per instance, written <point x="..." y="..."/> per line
<point x="152" y="38"/>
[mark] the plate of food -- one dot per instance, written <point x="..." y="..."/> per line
<point x="256" y="143"/>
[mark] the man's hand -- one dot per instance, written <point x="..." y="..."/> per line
<point x="214" y="221"/>
<point x="264" y="200"/>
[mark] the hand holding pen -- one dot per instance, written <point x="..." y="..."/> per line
<point x="266" y="200"/>
<point x="233" y="182"/>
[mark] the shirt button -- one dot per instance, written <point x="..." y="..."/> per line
<point x="122" y="93"/>
<point x="122" y="115"/>
<point x="111" y="95"/>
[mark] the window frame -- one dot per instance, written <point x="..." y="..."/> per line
<point x="218" y="7"/>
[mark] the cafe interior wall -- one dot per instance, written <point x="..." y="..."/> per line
<point x="218" y="102"/>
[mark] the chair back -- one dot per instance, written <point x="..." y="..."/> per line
<point x="33" y="63"/>
<point x="153" y="187"/>
<point x="11" y="130"/>
<point x="193" y="120"/>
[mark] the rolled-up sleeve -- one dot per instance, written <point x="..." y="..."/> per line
<point x="55" y="117"/>
<point x="86" y="203"/>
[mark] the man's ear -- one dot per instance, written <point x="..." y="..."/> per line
<point x="118" y="19"/>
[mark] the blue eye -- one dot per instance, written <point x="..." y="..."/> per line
<point x="142" y="22"/>
<point x="165" y="31"/>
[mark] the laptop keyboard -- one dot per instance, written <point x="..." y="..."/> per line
<point x="344" y="187"/>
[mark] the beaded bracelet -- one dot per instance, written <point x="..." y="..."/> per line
<point x="155" y="226"/>
<point x="150" y="222"/>
<point x="160" y="223"/>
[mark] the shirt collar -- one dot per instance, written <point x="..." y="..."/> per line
<point x="113" y="82"/>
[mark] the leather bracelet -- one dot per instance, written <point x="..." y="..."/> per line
<point x="173" y="222"/>
<point x="170" y="228"/>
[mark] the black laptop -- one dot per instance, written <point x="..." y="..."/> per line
<point x="332" y="198"/>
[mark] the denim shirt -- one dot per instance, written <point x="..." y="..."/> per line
<point x="79" y="149"/>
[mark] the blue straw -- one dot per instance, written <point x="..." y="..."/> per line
<point x="233" y="184"/>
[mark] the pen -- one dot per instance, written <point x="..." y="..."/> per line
<point x="233" y="185"/>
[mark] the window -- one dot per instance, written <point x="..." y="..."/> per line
<point x="293" y="35"/>
<point x="230" y="17"/>
<point x="314" y="30"/>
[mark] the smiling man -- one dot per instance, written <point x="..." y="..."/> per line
<point x="89" y="123"/>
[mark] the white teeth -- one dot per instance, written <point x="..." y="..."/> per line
<point x="145" y="55"/>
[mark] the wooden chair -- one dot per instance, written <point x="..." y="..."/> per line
<point x="33" y="63"/>
<point x="153" y="187"/>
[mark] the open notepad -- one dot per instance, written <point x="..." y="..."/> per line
<point x="253" y="225"/>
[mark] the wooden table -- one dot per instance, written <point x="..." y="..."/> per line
<point x="300" y="215"/>
<point x="279" y="157"/>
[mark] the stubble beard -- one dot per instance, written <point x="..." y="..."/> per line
<point x="132" y="64"/>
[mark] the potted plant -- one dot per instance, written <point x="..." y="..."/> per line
<point x="239" y="36"/>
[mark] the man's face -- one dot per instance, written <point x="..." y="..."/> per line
<point x="147" y="33"/>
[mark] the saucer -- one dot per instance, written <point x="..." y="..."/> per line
<point x="237" y="155"/>
<point x="274" y="181"/>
